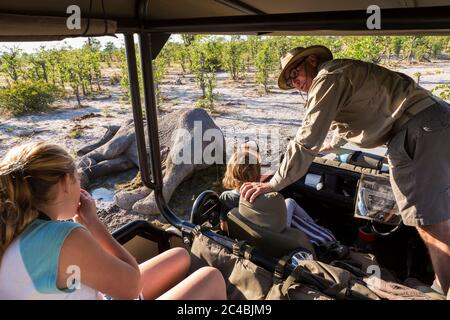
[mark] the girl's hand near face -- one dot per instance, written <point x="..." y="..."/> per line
<point x="87" y="211"/>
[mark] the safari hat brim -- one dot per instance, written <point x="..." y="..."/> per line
<point x="295" y="56"/>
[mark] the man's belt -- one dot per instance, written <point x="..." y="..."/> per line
<point x="409" y="113"/>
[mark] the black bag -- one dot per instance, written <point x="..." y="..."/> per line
<point x="311" y="280"/>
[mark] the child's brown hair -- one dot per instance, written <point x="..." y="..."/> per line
<point x="243" y="166"/>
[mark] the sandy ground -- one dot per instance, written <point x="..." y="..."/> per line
<point x="243" y="109"/>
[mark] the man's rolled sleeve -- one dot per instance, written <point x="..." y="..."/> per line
<point x="296" y="160"/>
<point x="327" y="95"/>
<point x="337" y="141"/>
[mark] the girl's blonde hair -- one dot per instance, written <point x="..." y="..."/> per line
<point x="243" y="166"/>
<point x="27" y="175"/>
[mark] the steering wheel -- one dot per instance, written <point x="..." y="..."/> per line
<point x="206" y="208"/>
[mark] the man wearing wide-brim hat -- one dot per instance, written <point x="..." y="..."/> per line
<point x="368" y="105"/>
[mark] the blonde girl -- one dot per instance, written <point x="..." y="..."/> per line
<point x="45" y="256"/>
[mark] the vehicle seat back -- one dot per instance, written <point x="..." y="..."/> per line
<point x="269" y="242"/>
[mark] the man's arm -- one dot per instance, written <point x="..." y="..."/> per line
<point x="335" y="143"/>
<point x="328" y="95"/>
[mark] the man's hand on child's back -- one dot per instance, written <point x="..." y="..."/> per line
<point x="250" y="190"/>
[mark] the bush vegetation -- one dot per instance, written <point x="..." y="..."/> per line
<point x="28" y="97"/>
<point x="33" y="81"/>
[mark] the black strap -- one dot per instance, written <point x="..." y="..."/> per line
<point x="248" y="253"/>
<point x="43" y="216"/>
<point x="198" y="230"/>
<point x="88" y="19"/>
<point x="239" y="248"/>
<point x="281" y="267"/>
<point x="242" y="249"/>
<point x="105" y="21"/>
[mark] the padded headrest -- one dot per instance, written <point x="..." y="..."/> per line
<point x="276" y="244"/>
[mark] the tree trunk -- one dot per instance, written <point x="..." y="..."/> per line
<point x="83" y="88"/>
<point x="90" y="82"/>
<point x="77" y="94"/>
<point x="98" y="83"/>
<point x="14" y="75"/>
<point x="44" y="71"/>
<point x="203" y="90"/>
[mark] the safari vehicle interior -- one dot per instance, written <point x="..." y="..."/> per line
<point x="398" y="248"/>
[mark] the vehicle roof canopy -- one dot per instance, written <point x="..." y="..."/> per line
<point x="46" y="19"/>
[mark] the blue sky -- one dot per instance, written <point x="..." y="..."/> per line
<point x="34" y="46"/>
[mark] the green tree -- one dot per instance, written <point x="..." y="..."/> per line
<point x="109" y="52"/>
<point x="395" y="45"/>
<point x="233" y="57"/>
<point x="89" y="64"/>
<point x="415" y="48"/>
<point x="417" y="75"/>
<point x="11" y="64"/>
<point x="39" y="63"/>
<point x="181" y="55"/>
<point x="93" y="44"/>
<point x="368" y="49"/>
<point x="159" y="71"/>
<point x="28" y="97"/>
<point x="437" y="45"/>
<point x="281" y="46"/>
<point x="265" y="64"/>
<point x="205" y="57"/>
<point x="443" y="90"/>
<point x="252" y="47"/>
<point x="124" y="82"/>
<point x="70" y="72"/>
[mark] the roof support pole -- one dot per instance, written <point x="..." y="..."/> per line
<point x="137" y="111"/>
<point x="152" y="131"/>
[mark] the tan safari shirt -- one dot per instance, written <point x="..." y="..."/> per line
<point x="360" y="101"/>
